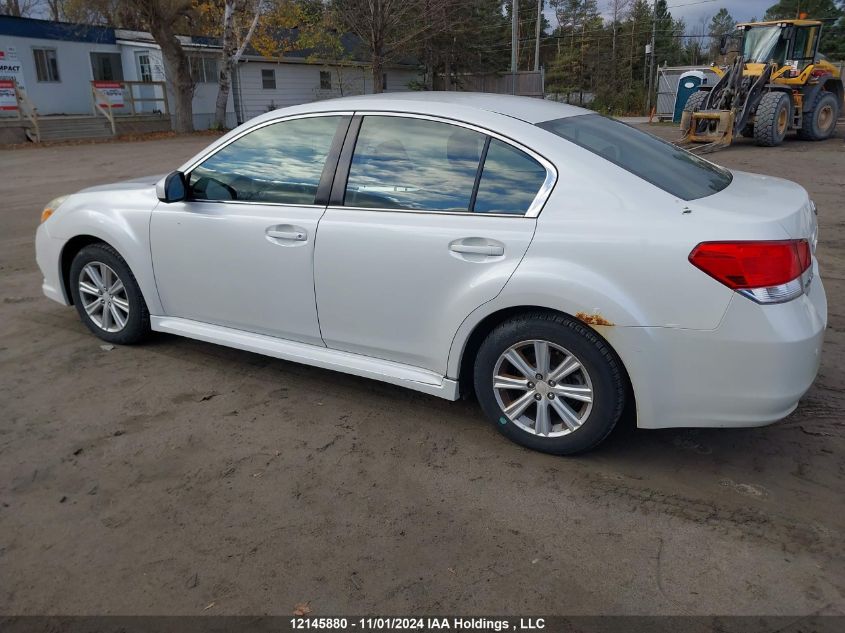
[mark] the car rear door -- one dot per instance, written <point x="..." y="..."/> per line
<point x="428" y="220"/>
<point x="239" y="251"/>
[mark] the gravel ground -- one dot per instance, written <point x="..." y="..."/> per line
<point x="183" y="478"/>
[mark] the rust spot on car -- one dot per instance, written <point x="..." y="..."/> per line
<point x="592" y="319"/>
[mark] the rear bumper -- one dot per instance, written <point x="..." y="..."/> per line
<point x="48" y="251"/>
<point x="750" y="371"/>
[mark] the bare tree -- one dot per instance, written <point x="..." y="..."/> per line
<point x="161" y="17"/>
<point x="18" y="8"/>
<point x="234" y="45"/>
<point x="388" y="27"/>
<point x="55" y="9"/>
<point x="696" y="50"/>
<point x="617" y="8"/>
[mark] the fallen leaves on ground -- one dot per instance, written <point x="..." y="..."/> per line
<point x="303" y="608"/>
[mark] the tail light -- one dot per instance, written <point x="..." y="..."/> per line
<point x="766" y="272"/>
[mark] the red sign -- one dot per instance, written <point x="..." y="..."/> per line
<point x="112" y="91"/>
<point x="8" y="99"/>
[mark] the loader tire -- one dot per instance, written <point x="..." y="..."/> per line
<point x="695" y="101"/>
<point x="820" y="121"/>
<point x="773" y="116"/>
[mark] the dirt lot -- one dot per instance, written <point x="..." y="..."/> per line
<point x="183" y="478"/>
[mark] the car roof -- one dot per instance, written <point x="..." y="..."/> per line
<point x="528" y="109"/>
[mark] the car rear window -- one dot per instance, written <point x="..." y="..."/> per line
<point x="662" y="164"/>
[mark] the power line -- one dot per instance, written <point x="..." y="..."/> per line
<point x="688" y="4"/>
<point x="578" y="36"/>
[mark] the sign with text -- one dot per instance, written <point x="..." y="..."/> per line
<point x="8" y="100"/>
<point x="10" y="65"/>
<point x="111" y="91"/>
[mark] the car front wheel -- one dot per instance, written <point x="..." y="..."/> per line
<point x="107" y="296"/>
<point x="549" y="383"/>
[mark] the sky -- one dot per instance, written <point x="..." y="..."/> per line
<point x="741" y="10"/>
<point x="693" y="11"/>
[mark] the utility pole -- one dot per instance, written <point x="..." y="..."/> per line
<point x="514" y="42"/>
<point x="537" y="42"/>
<point x="651" y="61"/>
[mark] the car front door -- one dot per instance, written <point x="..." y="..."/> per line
<point x="239" y="251"/>
<point x="428" y="221"/>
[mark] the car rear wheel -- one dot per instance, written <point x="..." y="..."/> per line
<point x="549" y="383"/>
<point x="107" y="296"/>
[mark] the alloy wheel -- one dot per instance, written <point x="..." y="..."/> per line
<point x="543" y="388"/>
<point x="783" y="119"/>
<point x="826" y="117"/>
<point x="103" y="296"/>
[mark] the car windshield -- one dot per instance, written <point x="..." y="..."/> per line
<point x="763" y="44"/>
<point x="662" y="164"/>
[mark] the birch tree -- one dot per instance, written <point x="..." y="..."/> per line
<point x="617" y="8"/>
<point x="234" y="45"/>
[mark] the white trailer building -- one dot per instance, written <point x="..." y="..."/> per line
<point x="65" y="70"/>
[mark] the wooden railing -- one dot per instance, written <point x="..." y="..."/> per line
<point x="158" y="87"/>
<point x="134" y="97"/>
<point x="27" y="109"/>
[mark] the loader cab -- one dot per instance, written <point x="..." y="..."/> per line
<point x="805" y="45"/>
<point x="762" y="44"/>
<point x="792" y="43"/>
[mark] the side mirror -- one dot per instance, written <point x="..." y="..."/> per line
<point x="723" y="45"/>
<point x="172" y="188"/>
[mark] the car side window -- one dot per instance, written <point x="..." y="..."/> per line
<point x="277" y="163"/>
<point x="510" y="180"/>
<point x="414" y="164"/>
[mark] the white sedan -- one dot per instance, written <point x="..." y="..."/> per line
<point x="563" y="266"/>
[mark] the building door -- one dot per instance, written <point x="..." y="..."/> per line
<point x="144" y="67"/>
<point x="106" y="67"/>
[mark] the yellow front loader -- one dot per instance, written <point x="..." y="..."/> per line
<point x="778" y="82"/>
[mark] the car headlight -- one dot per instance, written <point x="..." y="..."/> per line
<point x="51" y="207"/>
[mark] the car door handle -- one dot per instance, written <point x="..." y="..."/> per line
<point x="287" y="232"/>
<point x="491" y="250"/>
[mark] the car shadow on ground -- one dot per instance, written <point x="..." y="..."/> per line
<point x="626" y="444"/>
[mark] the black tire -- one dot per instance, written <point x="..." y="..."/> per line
<point x="693" y="104"/>
<point x="695" y="101"/>
<point x="600" y="362"/>
<point x="137" y="323"/>
<point x="819" y="122"/>
<point x="774" y="114"/>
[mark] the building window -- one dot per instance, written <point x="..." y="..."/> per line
<point x="268" y="79"/>
<point x="144" y="67"/>
<point x="325" y="80"/>
<point x="384" y="81"/>
<point x="46" y="64"/>
<point x="203" y="69"/>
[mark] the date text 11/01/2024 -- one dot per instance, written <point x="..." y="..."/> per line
<point x="417" y="624"/>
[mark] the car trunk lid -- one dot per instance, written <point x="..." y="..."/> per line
<point x="758" y="198"/>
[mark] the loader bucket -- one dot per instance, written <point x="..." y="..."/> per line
<point x="715" y="127"/>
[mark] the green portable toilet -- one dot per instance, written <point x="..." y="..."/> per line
<point x="688" y="83"/>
